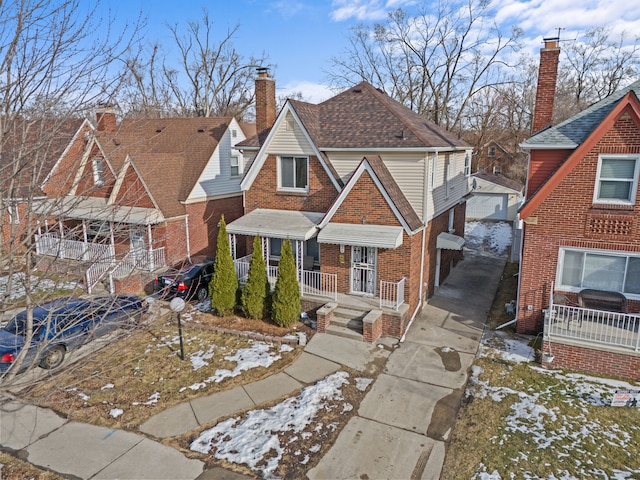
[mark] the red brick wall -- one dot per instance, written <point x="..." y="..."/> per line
<point x="565" y="219"/>
<point x="264" y="190"/>
<point x="62" y="177"/>
<point x="546" y="90"/>
<point x="132" y="192"/>
<point x="599" y="362"/>
<point x="542" y="164"/>
<point x="175" y="241"/>
<point x="203" y="223"/>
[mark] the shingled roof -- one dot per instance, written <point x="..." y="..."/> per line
<point x="575" y="130"/>
<point x="169" y="153"/>
<point x="363" y="117"/>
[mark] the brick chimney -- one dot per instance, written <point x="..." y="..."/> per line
<point x="106" y="119"/>
<point x="265" y="99"/>
<point x="546" y="91"/>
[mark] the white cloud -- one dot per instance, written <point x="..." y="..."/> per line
<point x="365" y="10"/>
<point x="311" y="92"/>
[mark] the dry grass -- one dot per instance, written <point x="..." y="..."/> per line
<point x="507" y="291"/>
<point x="12" y="468"/>
<point x="145" y="364"/>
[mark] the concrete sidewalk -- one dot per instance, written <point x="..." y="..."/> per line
<point x="406" y="418"/>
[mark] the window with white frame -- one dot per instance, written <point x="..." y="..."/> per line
<point x="234" y="163"/>
<point x="491" y="152"/>
<point x="467" y="164"/>
<point x="617" y="179"/>
<point x="598" y="269"/>
<point x="293" y="173"/>
<point x="98" y="170"/>
<point x="12" y="210"/>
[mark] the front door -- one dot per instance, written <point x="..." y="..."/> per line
<point x="138" y="244"/>
<point x="363" y="270"/>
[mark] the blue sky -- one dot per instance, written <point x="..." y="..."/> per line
<point x="301" y="36"/>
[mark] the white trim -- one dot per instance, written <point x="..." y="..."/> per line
<point x="364" y="166"/>
<point x="611" y="253"/>
<point x="633" y="181"/>
<point x="210" y="198"/>
<point x="263" y="152"/>
<point x="67" y="148"/>
<point x="549" y="146"/>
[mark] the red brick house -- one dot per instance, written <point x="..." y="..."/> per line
<point x="371" y="195"/>
<point x="580" y="271"/>
<point x="141" y="194"/>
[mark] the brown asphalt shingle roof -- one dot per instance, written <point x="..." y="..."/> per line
<point x="393" y="191"/>
<point x="169" y="153"/>
<point x="364" y="117"/>
<point x="500" y="180"/>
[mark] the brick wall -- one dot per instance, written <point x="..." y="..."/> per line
<point x="566" y="218"/>
<point x="132" y="191"/>
<point x="600" y="362"/>
<point x="264" y="190"/>
<point x="203" y="223"/>
<point x="546" y="90"/>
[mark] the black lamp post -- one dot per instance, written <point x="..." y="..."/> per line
<point x="177" y="305"/>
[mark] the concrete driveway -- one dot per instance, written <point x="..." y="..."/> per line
<point x="406" y="418"/>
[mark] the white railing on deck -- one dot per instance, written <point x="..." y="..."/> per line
<point x="54" y="246"/>
<point x="320" y="284"/>
<point x="595" y="326"/>
<point x="392" y="294"/>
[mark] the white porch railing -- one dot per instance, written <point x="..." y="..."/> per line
<point x="392" y="294"/>
<point x="595" y="326"/>
<point x="313" y="283"/>
<point x="96" y="271"/>
<point x="54" y="246"/>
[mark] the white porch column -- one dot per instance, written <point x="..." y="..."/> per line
<point x="299" y="253"/>
<point x="265" y="249"/>
<point x="152" y="265"/>
<point x="436" y="282"/>
<point x="85" y="253"/>
<point x="113" y="243"/>
<point x="232" y="244"/>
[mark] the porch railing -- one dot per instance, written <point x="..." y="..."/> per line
<point x="54" y="246"/>
<point x="595" y="326"/>
<point x="313" y="283"/>
<point x="96" y="271"/>
<point x="392" y="294"/>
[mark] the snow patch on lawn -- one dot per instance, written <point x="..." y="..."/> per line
<point x="38" y="284"/>
<point x="497" y="236"/>
<point x="254" y="441"/>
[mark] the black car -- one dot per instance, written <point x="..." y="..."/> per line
<point x="188" y="280"/>
<point x="66" y="323"/>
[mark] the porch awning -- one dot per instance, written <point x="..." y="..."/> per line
<point x="264" y="222"/>
<point x="380" y="236"/>
<point x="449" y="241"/>
<point x="93" y="208"/>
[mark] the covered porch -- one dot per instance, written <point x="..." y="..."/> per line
<point x="112" y="239"/>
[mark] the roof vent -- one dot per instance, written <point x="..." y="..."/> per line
<point x="201" y="130"/>
<point x="357" y="90"/>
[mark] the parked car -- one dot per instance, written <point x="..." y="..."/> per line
<point x="64" y="324"/>
<point x="189" y="279"/>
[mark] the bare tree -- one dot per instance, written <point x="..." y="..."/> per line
<point x="434" y="62"/>
<point x="56" y="59"/>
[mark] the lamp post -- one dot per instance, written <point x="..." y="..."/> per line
<point x="177" y="305"/>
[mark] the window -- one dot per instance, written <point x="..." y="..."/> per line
<point x="98" y="171"/>
<point x="492" y="152"/>
<point x="234" y="133"/>
<point x="616" y="180"/>
<point x="234" y="162"/>
<point x="612" y="271"/>
<point x="12" y="210"/>
<point x="467" y="165"/>
<point x="293" y="173"/>
<point x="497" y="169"/>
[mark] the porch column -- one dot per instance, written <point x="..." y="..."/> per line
<point x="113" y="243"/>
<point x="152" y="263"/>
<point x="265" y="249"/>
<point x="436" y="282"/>
<point x="232" y="244"/>
<point x="61" y="250"/>
<point x="85" y="253"/>
<point x="299" y="259"/>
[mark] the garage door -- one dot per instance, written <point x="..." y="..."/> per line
<point x="494" y="206"/>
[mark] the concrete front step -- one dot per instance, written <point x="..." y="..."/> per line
<point x="346" y="312"/>
<point x="344" y="332"/>
<point x="354" y="324"/>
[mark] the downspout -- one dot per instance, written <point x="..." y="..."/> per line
<point x="427" y="185"/>
<point x="186" y="226"/>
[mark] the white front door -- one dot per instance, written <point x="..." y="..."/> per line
<point x="138" y="244"/>
<point x="363" y="270"/>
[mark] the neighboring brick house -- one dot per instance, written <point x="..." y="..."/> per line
<point x="493" y="157"/>
<point x="29" y="150"/>
<point x="581" y="249"/>
<point x="141" y="194"/>
<point x="371" y="195"/>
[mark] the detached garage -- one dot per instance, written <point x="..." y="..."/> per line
<point x="493" y="197"/>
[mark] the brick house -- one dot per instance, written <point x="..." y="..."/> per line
<point x="141" y="194"/>
<point x="371" y="195"/>
<point x="29" y="151"/>
<point x="579" y="276"/>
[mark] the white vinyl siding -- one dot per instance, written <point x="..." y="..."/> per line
<point x="449" y="188"/>
<point x="290" y="139"/>
<point x="219" y="177"/>
<point x="598" y="269"/>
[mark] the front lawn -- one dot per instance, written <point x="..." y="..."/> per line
<point x="142" y="374"/>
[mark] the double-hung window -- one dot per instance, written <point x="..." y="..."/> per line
<point x="234" y="164"/>
<point x="12" y="210"/>
<point x="601" y="270"/>
<point x="617" y="179"/>
<point x="98" y="170"/>
<point x="293" y="173"/>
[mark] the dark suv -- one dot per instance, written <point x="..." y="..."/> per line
<point x="189" y="279"/>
